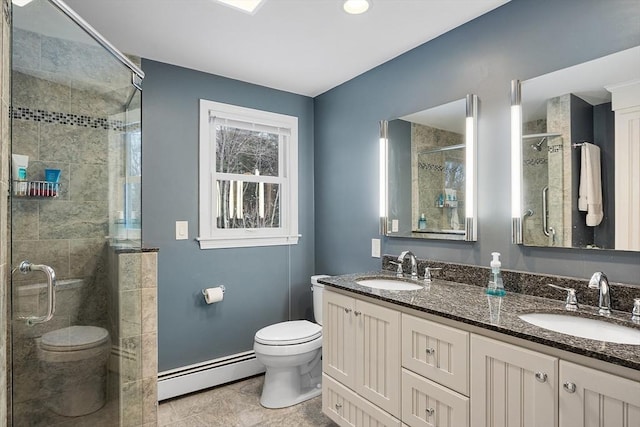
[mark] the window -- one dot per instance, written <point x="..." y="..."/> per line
<point x="248" y="177"/>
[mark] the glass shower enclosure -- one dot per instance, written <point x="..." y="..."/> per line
<point x="75" y="205"/>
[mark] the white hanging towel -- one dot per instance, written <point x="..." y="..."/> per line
<point x="455" y="221"/>
<point x="590" y="193"/>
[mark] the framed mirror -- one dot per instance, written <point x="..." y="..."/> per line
<point x="428" y="173"/>
<point x="576" y="156"/>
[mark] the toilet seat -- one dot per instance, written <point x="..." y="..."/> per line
<point x="289" y="333"/>
<point x="74" y="338"/>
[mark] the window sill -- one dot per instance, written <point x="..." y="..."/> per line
<point x="246" y="242"/>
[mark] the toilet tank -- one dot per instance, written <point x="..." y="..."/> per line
<point x="317" y="289"/>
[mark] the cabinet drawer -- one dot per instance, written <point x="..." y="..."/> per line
<point x="427" y="404"/>
<point x="435" y="351"/>
<point x="346" y="408"/>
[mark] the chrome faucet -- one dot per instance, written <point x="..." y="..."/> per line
<point x="414" y="263"/>
<point x="599" y="281"/>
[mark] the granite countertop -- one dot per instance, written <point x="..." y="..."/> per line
<point x="469" y="304"/>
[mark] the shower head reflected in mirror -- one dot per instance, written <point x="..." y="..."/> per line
<point x="538" y="146"/>
<point x="543" y="137"/>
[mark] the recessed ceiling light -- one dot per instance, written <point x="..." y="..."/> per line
<point x="247" y="6"/>
<point x="21" y="3"/>
<point x="355" y="7"/>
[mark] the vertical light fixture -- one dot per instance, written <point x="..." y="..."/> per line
<point x="383" y="175"/>
<point x="471" y="136"/>
<point x="516" y="162"/>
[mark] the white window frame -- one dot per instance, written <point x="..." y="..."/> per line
<point x="212" y="237"/>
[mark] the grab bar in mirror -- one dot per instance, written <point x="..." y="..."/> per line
<point x="545" y="212"/>
<point x="26" y="267"/>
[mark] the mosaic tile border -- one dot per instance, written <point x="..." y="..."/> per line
<point x="22" y="113"/>
<point x="535" y="162"/>
<point x="431" y="167"/>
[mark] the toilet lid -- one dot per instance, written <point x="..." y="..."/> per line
<point x="287" y="333"/>
<point x="74" y="338"/>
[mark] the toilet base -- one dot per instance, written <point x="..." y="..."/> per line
<point x="283" y="387"/>
<point x="74" y="389"/>
<point x="70" y="404"/>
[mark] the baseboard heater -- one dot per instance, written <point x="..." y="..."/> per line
<point x="188" y="379"/>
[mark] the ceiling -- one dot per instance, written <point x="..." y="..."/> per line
<point x="301" y="46"/>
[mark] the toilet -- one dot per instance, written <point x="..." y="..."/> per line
<point x="73" y="363"/>
<point x="292" y="354"/>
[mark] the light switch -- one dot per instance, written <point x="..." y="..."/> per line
<point x="182" y="230"/>
<point x="375" y="248"/>
<point x="394" y="225"/>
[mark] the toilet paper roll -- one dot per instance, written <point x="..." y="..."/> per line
<point x="212" y="295"/>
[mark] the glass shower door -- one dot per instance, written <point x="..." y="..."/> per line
<point x="75" y="203"/>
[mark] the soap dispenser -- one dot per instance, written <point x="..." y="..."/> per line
<point x="495" y="286"/>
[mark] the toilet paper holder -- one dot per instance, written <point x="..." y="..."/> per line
<point x="204" y="291"/>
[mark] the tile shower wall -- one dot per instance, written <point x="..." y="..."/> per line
<point x="430" y="176"/>
<point x="60" y="123"/>
<point x="5" y="247"/>
<point x="68" y="232"/>
<point x="133" y="318"/>
<point x="535" y="174"/>
<point x="559" y="121"/>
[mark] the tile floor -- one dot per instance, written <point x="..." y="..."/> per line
<point x="237" y="405"/>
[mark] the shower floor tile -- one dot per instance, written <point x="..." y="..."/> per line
<point x="238" y="404"/>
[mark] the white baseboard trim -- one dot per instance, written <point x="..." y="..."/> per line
<point x="188" y="379"/>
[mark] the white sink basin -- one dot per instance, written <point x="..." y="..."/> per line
<point x="584" y="327"/>
<point x="389" y="284"/>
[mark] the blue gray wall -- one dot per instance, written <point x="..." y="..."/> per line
<point x="257" y="279"/>
<point x="520" y="40"/>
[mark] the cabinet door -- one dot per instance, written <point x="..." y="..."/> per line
<point x="437" y="352"/>
<point x="427" y="404"/>
<point x="378" y="356"/>
<point x="338" y="339"/>
<point x="598" y="399"/>
<point x="346" y="408"/>
<point x="512" y="386"/>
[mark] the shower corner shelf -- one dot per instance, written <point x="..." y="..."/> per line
<point x="448" y="204"/>
<point x="36" y="189"/>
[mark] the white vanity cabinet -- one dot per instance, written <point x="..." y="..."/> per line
<point x="512" y="386"/>
<point x="361" y="349"/>
<point x="384" y="367"/>
<point x="589" y="397"/>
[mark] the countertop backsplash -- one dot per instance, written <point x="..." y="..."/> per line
<point x="622" y="295"/>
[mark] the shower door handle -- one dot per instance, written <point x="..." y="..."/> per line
<point x="26" y="267"/>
